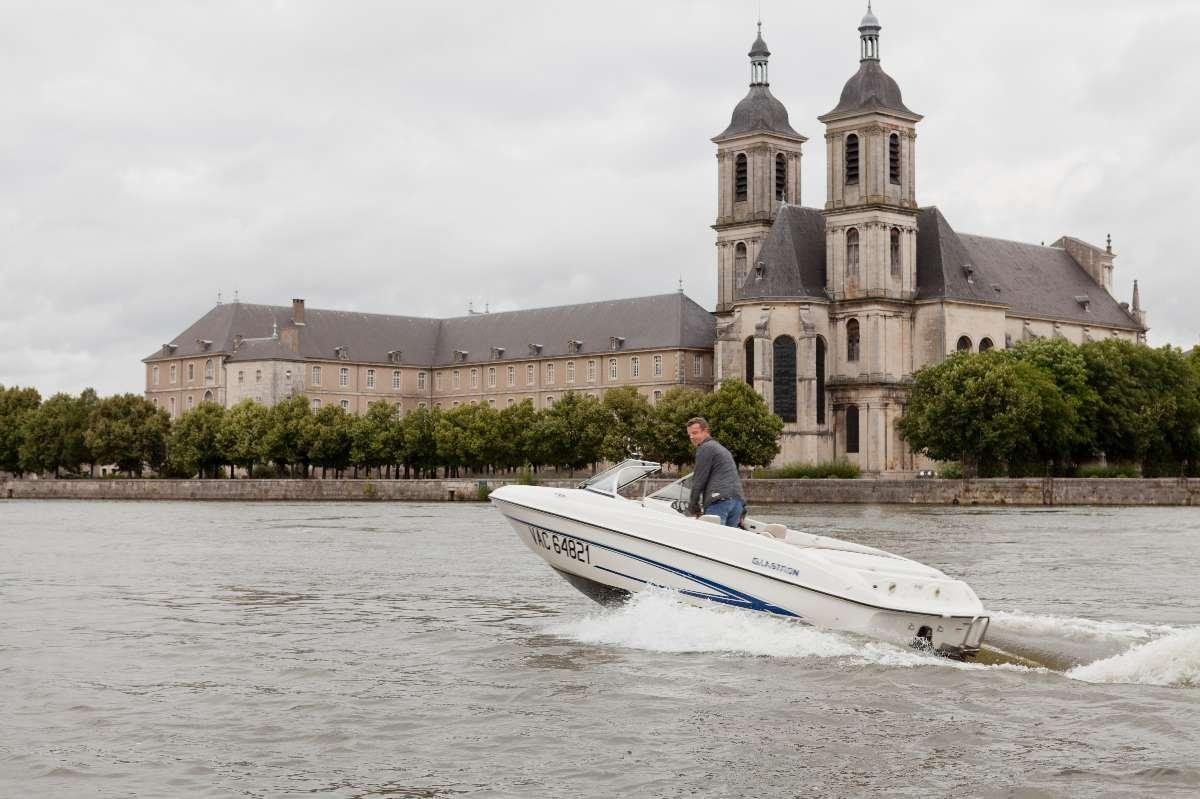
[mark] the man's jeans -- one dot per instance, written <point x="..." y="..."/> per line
<point x="730" y="511"/>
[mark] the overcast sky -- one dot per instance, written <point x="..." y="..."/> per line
<point x="410" y="157"/>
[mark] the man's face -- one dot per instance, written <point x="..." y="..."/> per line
<point x="697" y="434"/>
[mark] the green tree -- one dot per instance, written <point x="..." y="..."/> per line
<point x="16" y="405"/>
<point x="194" y="446"/>
<point x="570" y="433"/>
<point x="286" y="440"/>
<point x="516" y="426"/>
<point x="740" y="419"/>
<point x="242" y="434"/>
<point x="666" y="438"/>
<point x="53" y="437"/>
<point x="628" y="429"/>
<point x="420" y="442"/>
<point x="129" y="431"/>
<point x="983" y="408"/>
<point x="468" y="437"/>
<point x="377" y="437"/>
<point x="331" y="438"/>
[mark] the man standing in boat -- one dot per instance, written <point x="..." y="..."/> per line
<point x="716" y="487"/>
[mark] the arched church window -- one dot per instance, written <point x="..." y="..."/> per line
<point x="820" y="380"/>
<point x="852" y="159"/>
<point x="739" y="261"/>
<point x="739" y="178"/>
<point x="894" y="252"/>
<point x="852" y="253"/>
<point x="964" y="344"/>
<point x="985" y="344"/>
<point x="749" y="350"/>
<point x="780" y="178"/>
<point x="894" y="158"/>
<point x="851" y="428"/>
<point x="852" y="340"/>
<point x="783" y="377"/>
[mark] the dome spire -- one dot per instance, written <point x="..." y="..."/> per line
<point x="868" y="31"/>
<point x="758" y="60"/>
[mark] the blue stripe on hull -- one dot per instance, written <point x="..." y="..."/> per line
<point x="723" y="593"/>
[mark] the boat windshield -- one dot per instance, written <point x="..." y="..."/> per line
<point x="677" y="493"/>
<point x="611" y="481"/>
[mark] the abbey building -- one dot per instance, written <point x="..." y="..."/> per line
<point x="827" y="312"/>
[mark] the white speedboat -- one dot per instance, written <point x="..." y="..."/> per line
<point x="609" y="545"/>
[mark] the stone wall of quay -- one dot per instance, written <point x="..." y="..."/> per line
<point x="998" y="491"/>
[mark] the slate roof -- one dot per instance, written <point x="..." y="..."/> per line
<point x="1031" y="280"/>
<point x="793" y="258"/>
<point x="870" y="90"/>
<point x="759" y="112"/>
<point x="665" y="320"/>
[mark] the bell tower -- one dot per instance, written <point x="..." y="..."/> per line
<point x="758" y="169"/>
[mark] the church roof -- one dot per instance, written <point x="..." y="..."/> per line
<point x="793" y="258"/>
<point x="870" y="90"/>
<point x="759" y="112"/>
<point x="665" y="320"/>
<point x="1031" y="280"/>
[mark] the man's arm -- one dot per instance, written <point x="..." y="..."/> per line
<point x="700" y="479"/>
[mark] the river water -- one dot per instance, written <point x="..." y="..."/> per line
<point x="420" y="650"/>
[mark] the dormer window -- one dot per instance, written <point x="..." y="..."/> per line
<point x="535" y="349"/>
<point x="394" y="356"/>
<point x="203" y="343"/>
<point x="1085" y="302"/>
<point x="497" y="353"/>
<point x="616" y="342"/>
<point x="760" y="268"/>
<point x="969" y="271"/>
<point x="461" y="355"/>
<point x="169" y="348"/>
<point x="342" y="353"/>
<point x="574" y="345"/>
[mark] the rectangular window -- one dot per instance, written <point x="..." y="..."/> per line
<point x="189" y="402"/>
<point x="345" y="405"/>
<point x="396" y="379"/>
<point x="474" y="378"/>
<point x="512" y="375"/>
<point x="258" y="375"/>
<point x="316" y="403"/>
<point x="697" y="365"/>
<point x="612" y="369"/>
<point x="456" y="380"/>
<point x="530" y="376"/>
<point x="241" y="377"/>
<point x="491" y="403"/>
<point x="549" y="400"/>
<point x="154" y="375"/>
<point x="570" y="371"/>
<point x="191" y="372"/>
<point x="316" y="375"/>
<point x="492" y="378"/>
<point x="657" y="395"/>
<point x="591" y="371"/>
<point x="635" y="366"/>
<point x="174" y="373"/>
<point x="549" y="374"/>
<point x="421" y="383"/>
<point x="439" y="381"/>
<point x="343" y="376"/>
<point x="172" y="406"/>
<point x="658" y="366"/>
<point x="370" y="378"/>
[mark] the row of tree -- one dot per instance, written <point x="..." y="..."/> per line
<point x="67" y="434"/>
<point x="1051" y="405"/>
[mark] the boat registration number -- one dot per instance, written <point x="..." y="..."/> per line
<point x="561" y="544"/>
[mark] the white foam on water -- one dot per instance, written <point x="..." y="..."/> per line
<point x="1016" y="623"/>
<point x="1172" y="660"/>
<point x="660" y="621"/>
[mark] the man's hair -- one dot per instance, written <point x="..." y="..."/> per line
<point x="698" y="420"/>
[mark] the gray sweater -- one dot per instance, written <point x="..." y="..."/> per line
<point x="715" y="477"/>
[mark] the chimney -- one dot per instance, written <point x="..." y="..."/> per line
<point x="297" y="311"/>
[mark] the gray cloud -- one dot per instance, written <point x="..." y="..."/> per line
<point x="410" y="158"/>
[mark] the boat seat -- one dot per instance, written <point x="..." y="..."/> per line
<point x="711" y="518"/>
<point x="775" y="530"/>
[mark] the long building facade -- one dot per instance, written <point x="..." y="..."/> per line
<point x="827" y="311"/>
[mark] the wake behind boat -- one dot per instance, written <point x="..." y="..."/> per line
<point x="609" y="546"/>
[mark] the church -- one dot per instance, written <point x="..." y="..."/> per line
<point x="827" y="312"/>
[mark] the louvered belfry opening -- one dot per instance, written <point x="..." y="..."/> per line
<point x="851" y="159"/>
<point x="894" y="252"/>
<point x="780" y="178"/>
<point x="894" y="158"/>
<point x="851" y="428"/>
<point x="784" y="377"/>
<point x="820" y="380"/>
<point x="852" y="340"/>
<point x="749" y="347"/>
<point x="740" y="179"/>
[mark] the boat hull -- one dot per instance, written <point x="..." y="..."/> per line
<point x="609" y="564"/>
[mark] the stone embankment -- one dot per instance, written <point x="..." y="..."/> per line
<point x="1025" y="491"/>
